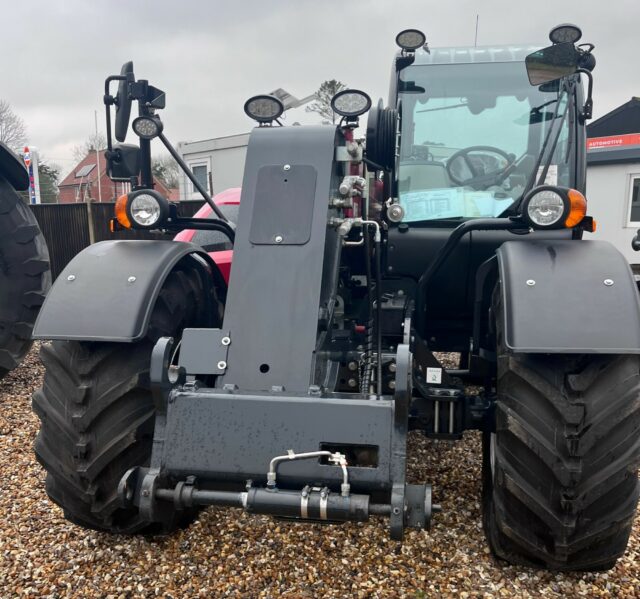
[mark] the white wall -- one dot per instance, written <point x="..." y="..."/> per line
<point x="609" y="199"/>
<point x="224" y="158"/>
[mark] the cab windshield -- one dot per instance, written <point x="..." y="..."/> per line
<point x="472" y="135"/>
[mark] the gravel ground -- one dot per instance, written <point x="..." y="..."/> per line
<point x="228" y="553"/>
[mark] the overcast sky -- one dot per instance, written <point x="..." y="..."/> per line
<point x="211" y="56"/>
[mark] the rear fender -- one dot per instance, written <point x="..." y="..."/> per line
<point x="568" y="297"/>
<point x="107" y="292"/>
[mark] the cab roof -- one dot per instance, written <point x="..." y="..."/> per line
<point x="479" y="54"/>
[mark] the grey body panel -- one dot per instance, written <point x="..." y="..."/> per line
<point x="13" y="169"/>
<point x="232" y="437"/>
<point x="94" y="298"/>
<point x="275" y="288"/>
<point x="568" y="308"/>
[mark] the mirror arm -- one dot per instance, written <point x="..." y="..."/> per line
<point x="192" y="177"/>
<point x="109" y="101"/>
<point x="587" y="109"/>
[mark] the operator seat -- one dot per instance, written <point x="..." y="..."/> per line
<point x="423" y="174"/>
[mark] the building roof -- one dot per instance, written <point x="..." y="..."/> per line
<point x="620" y="121"/>
<point x="85" y="173"/>
<point x="615" y="137"/>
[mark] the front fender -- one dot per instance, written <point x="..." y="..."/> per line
<point x="568" y="297"/>
<point x="107" y="292"/>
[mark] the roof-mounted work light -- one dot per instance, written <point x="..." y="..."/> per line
<point x="263" y="108"/>
<point x="565" y="32"/>
<point x="350" y="103"/>
<point x="411" y="39"/>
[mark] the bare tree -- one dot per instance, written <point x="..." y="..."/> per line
<point x="166" y="169"/>
<point x="91" y="144"/>
<point x="13" y="131"/>
<point x="322" y="105"/>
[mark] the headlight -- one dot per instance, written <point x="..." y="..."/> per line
<point x="551" y="207"/>
<point x="146" y="127"/>
<point x="350" y="103"/>
<point x="141" y="209"/>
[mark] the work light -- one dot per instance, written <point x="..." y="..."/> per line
<point x="552" y="207"/>
<point x="147" y="127"/>
<point x="411" y="39"/>
<point x="141" y="209"/>
<point x="350" y="103"/>
<point x="263" y="108"/>
<point x="566" y="32"/>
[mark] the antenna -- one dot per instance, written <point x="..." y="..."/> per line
<point x="475" y="43"/>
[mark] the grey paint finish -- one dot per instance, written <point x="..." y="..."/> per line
<point x="274" y="290"/>
<point x="568" y="297"/>
<point x="107" y="292"/>
<point x="233" y="437"/>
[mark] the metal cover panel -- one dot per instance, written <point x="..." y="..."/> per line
<point x="281" y="213"/>
<point x="566" y="307"/>
<point x="203" y="350"/>
<point x="275" y="290"/>
<point x="219" y="436"/>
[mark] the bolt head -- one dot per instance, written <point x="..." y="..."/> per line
<point x="225" y="341"/>
<point x="286" y="167"/>
<point x="530" y="282"/>
<point x="222" y="365"/>
<point x="608" y="282"/>
<point x="131" y="280"/>
<point x="392" y="384"/>
<point x="352" y="382"/>
<point x="71" y="278"/>
<point x="278" y="239"/>
<point x="353" y="366"/>
<point x="392" y="367"/>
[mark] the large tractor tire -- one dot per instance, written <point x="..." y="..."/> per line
<point x="24" y="276"/>
<point x="97" y="413"/>
<point x="560" y="470"/>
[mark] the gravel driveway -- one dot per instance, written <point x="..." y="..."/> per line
<point x="229" y="553"/>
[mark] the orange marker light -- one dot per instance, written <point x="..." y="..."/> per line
<point x="578" y="209"/>
<point x="121" y="211"/>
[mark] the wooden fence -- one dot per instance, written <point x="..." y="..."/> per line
<point x="69" y="228"/>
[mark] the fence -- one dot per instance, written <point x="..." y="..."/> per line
<point x="69" y="228"/>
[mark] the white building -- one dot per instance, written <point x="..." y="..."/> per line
<point x="217" y="163"/>
<point x="613" y="177"/>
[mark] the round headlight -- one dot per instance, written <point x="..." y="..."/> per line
<point x="411" y="39"/>
<point x="545" y="207"/>
<point x="350" y="102"/>
<point x="263" y="109"/>
<point x="147" y="209"/>
<point x="146" y="127"/>
<point x="566" y="32"/>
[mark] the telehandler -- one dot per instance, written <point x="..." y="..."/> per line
<point x="456" y="224"/>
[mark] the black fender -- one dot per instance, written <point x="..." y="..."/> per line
<point x="568" y="296"/>
<point x="13" y="169"/>
<point x="107" y="292"/>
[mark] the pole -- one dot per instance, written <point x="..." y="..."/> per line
<point x="95" y="114"/>
<point x="475" y="43"/>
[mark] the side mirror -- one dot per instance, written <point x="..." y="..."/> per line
<point x="123" y="102"/>
<point x="123" y="162"/>
<point x="552" y="63"/>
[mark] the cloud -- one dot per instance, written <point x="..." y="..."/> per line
<point x="211" y="56"/>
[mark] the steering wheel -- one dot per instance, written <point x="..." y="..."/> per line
<point x="480" y="178"/>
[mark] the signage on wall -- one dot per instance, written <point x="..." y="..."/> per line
<point x="613" y="141"/>
<point x="30" y="158"/>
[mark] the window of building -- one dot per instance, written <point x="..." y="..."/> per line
<point x="634" y="200"/>
<point x="201" y="173"/>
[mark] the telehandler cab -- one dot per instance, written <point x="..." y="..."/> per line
<point x="456" y="225"/>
